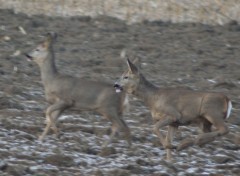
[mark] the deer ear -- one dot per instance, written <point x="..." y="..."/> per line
<point x="137" y="62"/>
<point x="47" y="41"/>
<point x="51" y="37"/>
<point x="132" y="67"/>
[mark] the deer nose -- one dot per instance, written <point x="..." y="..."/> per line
<point x="116" y="85"/>
<point x="28" y="56"/>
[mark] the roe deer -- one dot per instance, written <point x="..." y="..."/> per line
<point x="67" y="92"/>
<point x="176" y="107"/>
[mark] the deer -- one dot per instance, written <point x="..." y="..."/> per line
<point x="174" y="107"/>
<point x="64" y="92"/>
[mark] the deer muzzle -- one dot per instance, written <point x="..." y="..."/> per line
<point x="29" y="57"/>
<point x="118" y="88"/>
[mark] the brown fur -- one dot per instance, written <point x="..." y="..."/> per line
<point x="175" y="107"/>
<point x="67" y="92"/>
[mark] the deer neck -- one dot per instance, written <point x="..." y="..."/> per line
<point x="48" y="68"/>
<point x="145" y="90"/>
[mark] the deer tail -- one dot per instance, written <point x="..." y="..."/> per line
<point x="229" y="109"/>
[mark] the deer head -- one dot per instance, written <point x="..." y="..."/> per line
<point x="129" y="80"/>
<point x="40" y="53"/>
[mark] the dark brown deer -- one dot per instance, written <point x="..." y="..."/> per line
<point x="67" y="92"/>
<point x="175" y="107"/>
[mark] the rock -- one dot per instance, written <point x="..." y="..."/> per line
<point x="33" y="170"/>
<point x="90" y="151"/>
<point x="160" y="174"/>
<point x="236" y="171"/>
<point x="224" y="84"/>
<point x="169" y="165"/>
<point x="6" y="103"/>
<point x="97" y="173"/>
<point x="59" y="160"/>
<point x="221" y="159"/>
<point x="134" y="169"/>
<point x="6" y="38"/>
<point x="16" y="53"/>
<point x="142" y="162"/>
<point x="228" y="166"/>
<point x="120" y="172"/>
<point x="16" y="170"/>
<point x="22" y="30"/>
<point x="3" y="165"/>
<point x="26" y="136"/>
<point x="106" y="151"/>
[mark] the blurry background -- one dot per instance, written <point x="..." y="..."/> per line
<point x="203" y="11"/>
<point x="181" y="43"/>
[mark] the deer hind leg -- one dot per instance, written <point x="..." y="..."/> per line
<point x="221" y="129"/>
<point x="52" y="114"/>
<point x="207" y="136"/>
<point x="205" y="126"/>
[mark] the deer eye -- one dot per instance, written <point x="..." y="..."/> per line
<point x="125" y="77"/>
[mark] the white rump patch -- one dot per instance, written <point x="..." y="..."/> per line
<point x="229" y="109"/>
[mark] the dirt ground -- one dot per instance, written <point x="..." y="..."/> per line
<point x="196" y="56"/>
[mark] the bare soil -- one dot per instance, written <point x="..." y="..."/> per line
<point x="196" y="56"/>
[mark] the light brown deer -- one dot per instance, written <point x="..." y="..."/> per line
<point x="174" y="107"/>
<point x="67" y="92"/>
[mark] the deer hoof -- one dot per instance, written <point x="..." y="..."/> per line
<point x="40" y="138"/>
<point x="170" y="146"/>
<point x="185" y="144"/>
<point x="58" y="135"/>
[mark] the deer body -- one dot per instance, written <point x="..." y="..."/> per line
<point x="185" y="105"/>
<point x="174" y="107"/>
<point x="80" y="99"/>
<point x="67" y="92"/>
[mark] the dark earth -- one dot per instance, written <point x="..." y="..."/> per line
<point x="192" y="55"/>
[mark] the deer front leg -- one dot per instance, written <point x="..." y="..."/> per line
<point x="54" y="116"/>
<point x="164" y="121"/>
<point x="112" y="135"/>
<point x="156" y="130"/>
<point x="52" y="113"/>
<point x="127" y="132"/>
<point x="118" y="124"/>
<point x="112" y="115"/>
<point x="46" y="129"/>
